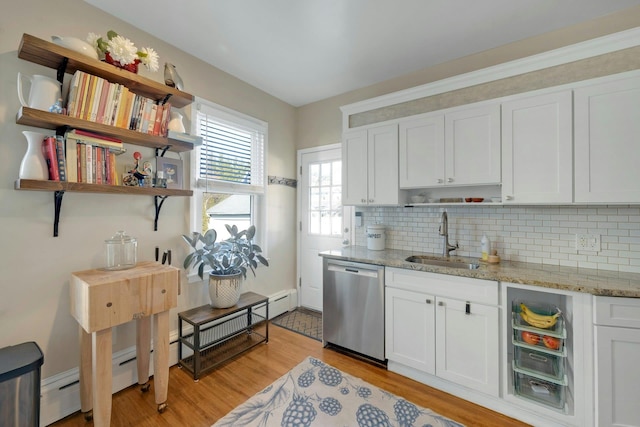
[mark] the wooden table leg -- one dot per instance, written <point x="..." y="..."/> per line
<point x="161" y="358"/>
<point x="143" y="349"/>
<point x="86" y="390"/>
<point x="102" y="380"/>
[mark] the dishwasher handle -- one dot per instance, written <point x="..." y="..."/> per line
<point x="355" y="270"/>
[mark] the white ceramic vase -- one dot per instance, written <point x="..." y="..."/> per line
<point x="33" y="165"/>
<point x="225" y="291"/>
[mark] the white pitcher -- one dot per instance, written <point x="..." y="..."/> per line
<point x="175" y="123"/>
<point x="43" y="93"/>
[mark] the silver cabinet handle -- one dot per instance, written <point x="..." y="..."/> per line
<point x="449" y="179"/>
<point x="363" y="200"/>
<point x="440" y="181"/>
<point x="441" y="303"/>
<point x="509" y="197"/>
<point x="370" y="200"/>
<point x="428" y="301"/>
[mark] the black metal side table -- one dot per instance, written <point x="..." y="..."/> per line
<point x="222" y="333"/>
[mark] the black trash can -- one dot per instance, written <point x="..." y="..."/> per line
<point x="20" y="385"/>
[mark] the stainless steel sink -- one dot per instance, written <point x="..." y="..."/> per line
<point x="422" y="259"/>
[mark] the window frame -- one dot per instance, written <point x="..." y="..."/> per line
<point x="259" y="195"/>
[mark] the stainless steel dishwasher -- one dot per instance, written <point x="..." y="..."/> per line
<point x="353" y="307"/>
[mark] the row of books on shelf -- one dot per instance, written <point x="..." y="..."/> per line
<point x="81" y="156"/>
<point x="97" y="100"/>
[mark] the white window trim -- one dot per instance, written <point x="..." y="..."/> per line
<point x="259" y="207"/>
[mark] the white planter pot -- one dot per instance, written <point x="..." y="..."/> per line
<point x="225" y="291"/>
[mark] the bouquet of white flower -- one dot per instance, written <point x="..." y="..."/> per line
<point x="121" y="52"/>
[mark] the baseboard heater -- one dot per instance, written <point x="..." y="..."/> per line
<point x="60" y="393"/>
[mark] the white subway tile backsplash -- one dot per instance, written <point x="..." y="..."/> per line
<point x="544" y="234"/>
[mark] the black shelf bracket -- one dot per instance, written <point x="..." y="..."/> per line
<point x="158" y="207"/>
<point x="62" y="68"/>
<point x="57" y="205"/>
<point x="161" y="151"/>
<point x="165" y="99"/>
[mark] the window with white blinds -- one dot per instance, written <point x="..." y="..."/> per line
<point x="232" y="155"/>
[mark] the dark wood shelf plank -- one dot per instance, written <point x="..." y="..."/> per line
<point x="44" y="119"/>
<point x="52" y="55"/>
<point x="37" y="185"/>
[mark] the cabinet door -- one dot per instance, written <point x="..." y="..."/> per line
<point x="617" y="376"/>
<point x="409" y="329"/>
<point x="382" y="153"/>
<point x="537" y="150"/>
<point x="472" y="146"/>
<point x="421" y="150"/>
<point x="607" y="142"/>
<point x="467" y="344"/>
<point x="354" y="168"/>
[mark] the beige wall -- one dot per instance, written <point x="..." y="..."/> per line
<point x="35" y="267"/>
<point x="320" y="123"/>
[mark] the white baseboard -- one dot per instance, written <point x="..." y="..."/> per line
<point x="60" y="393"/>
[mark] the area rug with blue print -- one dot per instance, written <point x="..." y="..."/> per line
<point x="317" y="394"/>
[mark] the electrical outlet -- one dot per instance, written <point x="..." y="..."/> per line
<point x="588" y="242"/>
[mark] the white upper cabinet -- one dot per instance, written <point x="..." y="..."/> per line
<point x="370" y="166"/>
<point x="421" y="145"/>
<point x="607" y="142"/>
<point x="472" y="145"/>
<point x="354" y="168"/>
<point x="459" y="147"/>
<point x="537" y="138"/>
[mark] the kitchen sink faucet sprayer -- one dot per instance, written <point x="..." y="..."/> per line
<point x="444" y="231"/>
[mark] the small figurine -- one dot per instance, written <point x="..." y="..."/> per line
<point x="137" y="171"/>
<point x="57" y="107"/>
<point x="171" y="77"/>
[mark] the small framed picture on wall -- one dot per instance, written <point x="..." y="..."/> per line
<point x="172" y="171"/>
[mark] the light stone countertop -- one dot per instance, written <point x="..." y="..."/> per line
<point x="595" y="282"/>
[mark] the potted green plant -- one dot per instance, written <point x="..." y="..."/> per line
<point x="229" y="261"/>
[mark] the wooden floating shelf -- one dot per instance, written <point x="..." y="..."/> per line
<point x="53" y="56"/>
<point x="46" y="120"/>
<point x="58" y="188"/>
<point x="79" y="187"/>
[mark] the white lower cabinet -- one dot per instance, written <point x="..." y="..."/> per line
<point x="445" y="326"/>
<point x="467" y="344"/>
<point x="617" y="343"/>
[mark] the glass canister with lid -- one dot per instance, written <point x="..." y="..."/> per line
<point x="121" y="251"/>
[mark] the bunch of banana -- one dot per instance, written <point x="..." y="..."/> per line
<point x="538" y="320"/>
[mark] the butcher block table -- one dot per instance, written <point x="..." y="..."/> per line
<point x="102" y="299"/>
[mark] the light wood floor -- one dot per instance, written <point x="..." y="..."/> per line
<point x="200" y="404"/>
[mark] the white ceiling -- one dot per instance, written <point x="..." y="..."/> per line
<point x="302" y="51"/>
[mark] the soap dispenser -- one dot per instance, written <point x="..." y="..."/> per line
<point x="485" y="244"/>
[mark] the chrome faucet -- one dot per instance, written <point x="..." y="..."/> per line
<point x="444" y="231"/>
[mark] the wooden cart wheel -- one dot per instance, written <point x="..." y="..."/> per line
<point x="145" y="387"/>
<point x="162" y="407"/>
<point x="88" y="416"/>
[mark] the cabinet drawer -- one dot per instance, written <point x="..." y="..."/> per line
<point x="546" y="363"/>
<point x="612" y="311"/>
<point x="461" y="288"/>
<point x="546" y="392"/>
